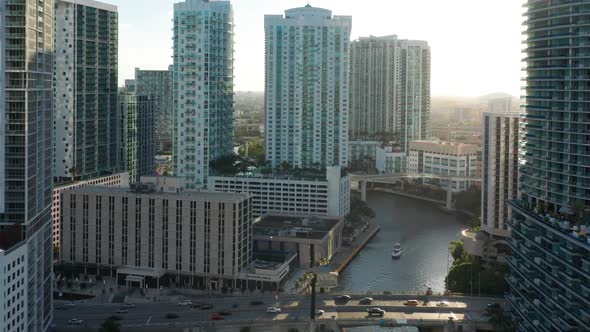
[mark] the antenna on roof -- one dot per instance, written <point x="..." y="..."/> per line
<point x="308" y="5"/>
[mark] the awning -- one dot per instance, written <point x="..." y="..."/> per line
<point x="141" y="272"/>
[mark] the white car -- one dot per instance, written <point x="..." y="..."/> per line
<point x="319" y="312"/>
<point x="75" y="321"/>
<point x="442" y="304"/>
<point x="185" y="302"/>
<point x="69" y="304"/>
<point x="128" y="305"/>
<point x="273" y="310"/>
<point x="123" y="311"/>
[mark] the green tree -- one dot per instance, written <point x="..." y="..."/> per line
<point x="245" y="329"/>
<point x="456" y="249"/>
<point x="110" y="325"/>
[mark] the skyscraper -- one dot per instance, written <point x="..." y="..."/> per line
<point x="550" y="265"/>
<point x="26" y="39"/>
<point x="307" y="88"/>
<point x="389" y="89"/>
<point x="158" y="85"/>
<point x="85" y="140"/>
<point x="203" y="87"/>
<point x="138" y="122"/>
<point x="500" y="170"/>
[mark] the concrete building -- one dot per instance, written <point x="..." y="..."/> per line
<point x="158" y="85"/>
<point x="550" y="265"/>
<point x="203" y="86"/>
<point x="390" y="89"/>
<point x="362" y="155"/>
<point x="313" y="239"/>
<point x="444" y="158"/>
<point x="130" y="86"/>
<point x="138" y="142"/>
<point x="500" y="170"/>
<point x="500" y="105"/>
<point x="390" y="160"/>
<point x="157" y="231"/>
<point x="306" y="91"/>
<point x="85" y="82"/>
<point x="26" y="65"/>
<point x="327" y="195"/>
<point x="119" y="180"/>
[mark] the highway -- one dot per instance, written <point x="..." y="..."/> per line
<point x="240" y="309"/>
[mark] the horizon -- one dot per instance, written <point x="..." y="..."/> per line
<point x="463" y="42"/>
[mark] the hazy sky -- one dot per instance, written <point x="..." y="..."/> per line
<point x="476" y="44"/>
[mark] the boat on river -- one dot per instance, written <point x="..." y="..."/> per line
<point x="397" y="251"/>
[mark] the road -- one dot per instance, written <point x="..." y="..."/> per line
<point x="293" y="308"/>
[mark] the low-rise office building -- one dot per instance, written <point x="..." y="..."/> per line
<point x="155" y="231"/>
<point x="444" y="158"/>
<point x="313" y="239"/>
<point x="390" y="160"/>
<point x="119" y="180"/>
<point x="327" y="195"/>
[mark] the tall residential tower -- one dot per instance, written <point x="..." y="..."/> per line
<point x="26" y="62"/>
<point x="307" y="94"/>
<point x="389" y="89"/>
<point x="550" y="264"/>
<point x="85" y="85"/>
<point x="203" y="87"/>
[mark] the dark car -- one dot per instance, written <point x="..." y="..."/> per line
<point x="171" y="315"/>
<point x="366" y="300"/>
<point x="217" y="317"/>
<point x="256" y="302"/>
<point x="224" y="313"/>
<point x="342" y="298"/>
<point x="376" y="312"/>
<point x="206" y="306"/>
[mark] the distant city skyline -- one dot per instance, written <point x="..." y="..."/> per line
<point x="476" y="44"/>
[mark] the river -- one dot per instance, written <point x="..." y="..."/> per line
<point x="423" y="230"/>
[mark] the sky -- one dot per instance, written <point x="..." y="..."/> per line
<point x="476" y="44"/>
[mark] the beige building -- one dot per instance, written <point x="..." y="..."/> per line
<point x="157" y="230"/>
<point x="313" y="239"/>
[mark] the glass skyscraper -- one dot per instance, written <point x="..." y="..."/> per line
<point x="550" y="264"/>
<point x="27" y="56"/>
<point x="203" y="87"/>
<point x="306" y="91"/>
<point x="86" y="73"/>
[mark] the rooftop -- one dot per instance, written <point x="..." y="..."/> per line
<point x="147" y="191"/>
<point x="288" y="226"/>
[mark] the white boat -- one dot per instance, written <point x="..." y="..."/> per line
<point x="397" y="251"/>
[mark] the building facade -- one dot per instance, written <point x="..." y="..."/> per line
<point x="138" y="141"/>
<point x="158" y="85"/>
<point x="25" y="222"/>
<point x="446" y="159"/>
<point x="203" y="86"/>
<point x="195" y="238"/>
<point x="550" y="269"/>
<point x="391" y="161"/>
<point x="389" y="89"/>
<point x="86" y="87"/>
<point x="119" y="180"/>
<point x="306" y="89"/>
<point x="322" y="196"/>
<point x="500" y="170"/>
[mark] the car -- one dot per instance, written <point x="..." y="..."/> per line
<point x="128" y="305"/>
<point x="206" y="306"/>
<point x="366" y="300"/>
<point x="256" y="302"/>
<point x="224" y="313"/>
<point x="442" y="304"/>
<point x="319" y="312"/>
<point x="185" y="302"/>
<point x="60" y="307"/>
<point x="122" y="311"/>
<point x="273" y="310"/>
<point x="75" y="321"/>
<point x="342" y="298"/>
<point x="69" y="304"/>
<point x="493" y="305"/>
<point x="412" y="303"/>
<point x="217" y="317"/>
<point x="171" y="315"/>
<point x="376" y="312"/>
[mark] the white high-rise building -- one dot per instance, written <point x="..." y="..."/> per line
<point x="500" y="170"/>
<point x="307" y="87"/>
<point x="85" y="142"/>
<point x="26" y="38"/>
<point x="203" y="87"/>
<point x="389" y="89"/>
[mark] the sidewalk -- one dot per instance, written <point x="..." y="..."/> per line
<point x="347" y="253"/>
